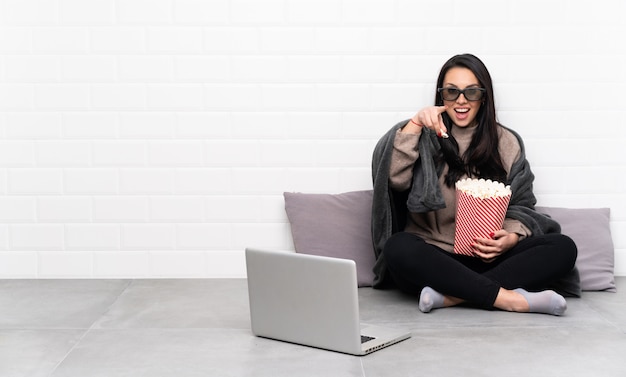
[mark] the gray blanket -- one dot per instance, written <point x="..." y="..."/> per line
<point x="389" y="208"/>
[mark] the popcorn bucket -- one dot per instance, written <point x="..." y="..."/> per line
<point x="481" y="208"/>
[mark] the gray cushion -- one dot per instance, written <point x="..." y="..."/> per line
<point x="335" y="226"/>
<point x="590" y="230"/>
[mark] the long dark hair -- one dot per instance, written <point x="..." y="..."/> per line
<point x="482" y="158"/>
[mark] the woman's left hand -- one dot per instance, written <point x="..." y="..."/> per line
<point x="488" y="249"/>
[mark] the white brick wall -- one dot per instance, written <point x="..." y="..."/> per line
<point x="154" y="138"/>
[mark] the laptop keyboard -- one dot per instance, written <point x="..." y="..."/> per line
<point x="365" y="338"/>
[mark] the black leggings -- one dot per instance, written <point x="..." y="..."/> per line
<point x="533" y="264"/>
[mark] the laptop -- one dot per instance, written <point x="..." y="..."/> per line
<point x="311" y="300"/>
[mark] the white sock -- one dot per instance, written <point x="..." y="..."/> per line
<point x="430" y="299"/>
<point x="547" y="302"/>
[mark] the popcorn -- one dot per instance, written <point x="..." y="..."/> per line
<point x="483" y="189"/>
<point x="481" y="208"/>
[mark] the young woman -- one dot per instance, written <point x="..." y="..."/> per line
<point x="415" y="166"/>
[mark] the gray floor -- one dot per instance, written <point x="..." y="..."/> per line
<point x="155" y="328"/>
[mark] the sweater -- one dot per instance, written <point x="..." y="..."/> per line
<point x="437" y="227"/>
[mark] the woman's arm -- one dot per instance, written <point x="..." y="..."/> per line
<point x="403" y="157"/>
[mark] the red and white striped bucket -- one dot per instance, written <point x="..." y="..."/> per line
<point x="477" y="217"/>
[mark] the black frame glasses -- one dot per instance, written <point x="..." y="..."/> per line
<point x="471" y="94"/>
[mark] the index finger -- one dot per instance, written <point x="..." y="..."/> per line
<point x="442" y="127"/>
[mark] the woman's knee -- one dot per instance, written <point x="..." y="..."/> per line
<point x="398" y="246"/>
<point x="568" y="248"/>
<point x="562" y="249"/>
